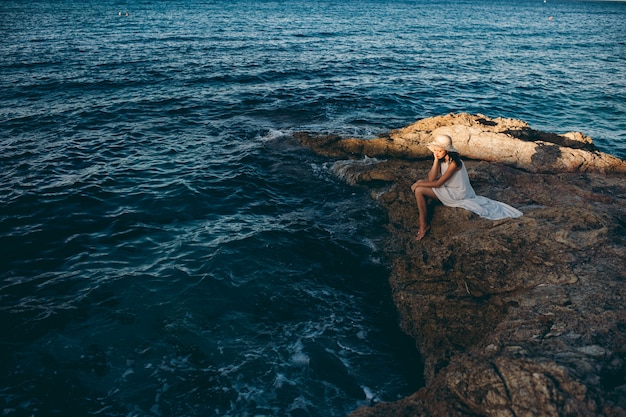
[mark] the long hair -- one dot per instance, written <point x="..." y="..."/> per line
<point x="456" y="157"/>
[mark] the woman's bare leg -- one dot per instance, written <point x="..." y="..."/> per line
<point x="421" y="193"/>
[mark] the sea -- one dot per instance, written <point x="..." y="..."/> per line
<point x="167" y="247"/>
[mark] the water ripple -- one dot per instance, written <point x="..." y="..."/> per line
<point x="170" y="249"/>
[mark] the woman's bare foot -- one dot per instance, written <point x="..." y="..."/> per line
<point x="422" y="232"/>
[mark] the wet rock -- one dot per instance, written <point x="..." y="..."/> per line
<point x="517" y="317"/>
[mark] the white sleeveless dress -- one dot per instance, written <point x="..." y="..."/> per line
<point x="458" y="192"/>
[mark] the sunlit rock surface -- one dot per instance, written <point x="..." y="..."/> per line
<point x="517" y="317"/>
<point x="507" y="141"/>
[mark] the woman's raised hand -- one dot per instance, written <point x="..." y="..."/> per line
<point x="416" y="184"/>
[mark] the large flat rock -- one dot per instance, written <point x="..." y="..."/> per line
<point x="507" y="141"/>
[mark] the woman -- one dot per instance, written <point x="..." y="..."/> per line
<point x="448" y="183"/>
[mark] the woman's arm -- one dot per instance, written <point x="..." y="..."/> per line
<point x="452" y="166"/>
<point x="434" y="170"/>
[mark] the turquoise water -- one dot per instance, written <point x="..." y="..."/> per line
<point x="169" y="249"/>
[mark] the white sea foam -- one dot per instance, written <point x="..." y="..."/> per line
<point x="300" y="359"/>
<point x="343" y="169"/>
<point x="273" y="134"/>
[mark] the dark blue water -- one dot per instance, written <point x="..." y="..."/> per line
<point x="167" y="249"/>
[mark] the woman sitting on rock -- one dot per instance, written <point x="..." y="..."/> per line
<point x="449" y="183"/>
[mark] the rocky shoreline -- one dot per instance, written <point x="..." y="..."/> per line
<point x="517" y="317"/>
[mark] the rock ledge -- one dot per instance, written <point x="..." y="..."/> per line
<point x="507" y="141"/>
<point x="518" y="317"/>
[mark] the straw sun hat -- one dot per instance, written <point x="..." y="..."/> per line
<point x="442" y="142"/>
